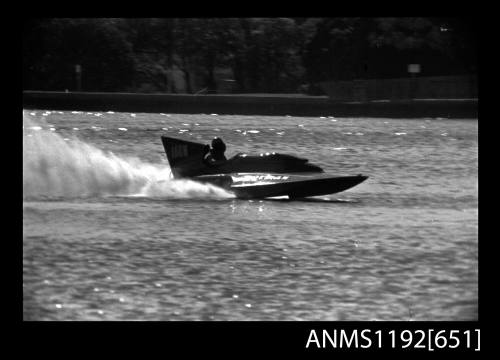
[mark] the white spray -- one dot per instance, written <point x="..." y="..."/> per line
<point x="54" y="167"/>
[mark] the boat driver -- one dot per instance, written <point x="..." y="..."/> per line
<point x="216" y="153"/>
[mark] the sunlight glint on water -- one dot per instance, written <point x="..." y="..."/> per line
<point x="107" y="235"/>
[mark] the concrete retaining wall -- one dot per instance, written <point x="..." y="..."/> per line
<point x="437" y="87"/>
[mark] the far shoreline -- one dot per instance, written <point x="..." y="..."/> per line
<point x="249" y="104"/>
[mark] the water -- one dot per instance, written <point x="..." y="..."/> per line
<point x="108" y="235"/>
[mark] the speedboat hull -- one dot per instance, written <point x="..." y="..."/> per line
<point x="250" y="186"/>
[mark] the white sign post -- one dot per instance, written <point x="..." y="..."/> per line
<point x="78" y="71"/>
<point x="413" y="69"/>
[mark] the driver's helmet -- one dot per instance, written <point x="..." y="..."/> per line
<point x="218" y="145"/>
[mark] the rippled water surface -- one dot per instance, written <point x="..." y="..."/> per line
<point x="107" y="235"/>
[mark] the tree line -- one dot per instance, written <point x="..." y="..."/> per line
<point x="263" y="54"/>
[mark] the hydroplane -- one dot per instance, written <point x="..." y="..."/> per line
<point x="265" y="175"/>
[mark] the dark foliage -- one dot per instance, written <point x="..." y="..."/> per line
<point x="263" y="54"/>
